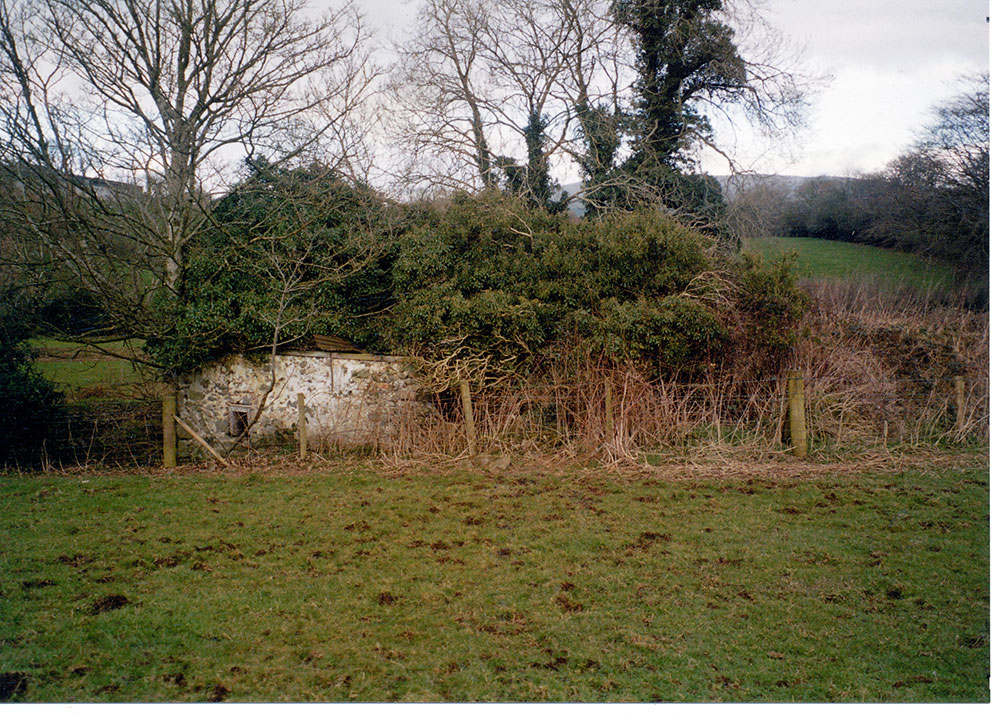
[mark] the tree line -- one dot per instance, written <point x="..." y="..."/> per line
<point x="932" y="200"/>
<point x="121" y="122"/>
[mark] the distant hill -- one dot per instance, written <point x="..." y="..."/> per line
<point x="732" y="185"/>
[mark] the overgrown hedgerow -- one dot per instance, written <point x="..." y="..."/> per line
<point x="489" y="274"/>
<point x="482" y="274"/>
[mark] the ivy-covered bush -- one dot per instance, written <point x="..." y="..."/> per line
<point x="292" y="253"/>
<point x="484" y="273"/>
<point x="675" y="332"/>
<point x="489" y="273"/>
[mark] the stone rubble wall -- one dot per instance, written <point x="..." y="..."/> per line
<point x="350" y="399"/>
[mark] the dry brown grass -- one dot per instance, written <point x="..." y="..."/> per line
<point x="877" y="368"/>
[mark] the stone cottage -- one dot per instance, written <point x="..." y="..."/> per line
<point x="350" y="397"/>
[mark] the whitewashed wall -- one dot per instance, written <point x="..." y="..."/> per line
<point x="354" y="399"/>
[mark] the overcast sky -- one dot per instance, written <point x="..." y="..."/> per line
<point x="890" y="62"/>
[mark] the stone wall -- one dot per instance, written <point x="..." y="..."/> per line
<point x="351" y="399"/>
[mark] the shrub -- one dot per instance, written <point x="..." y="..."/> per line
<point x="487" y="274"/>
<point x="672" y="334"/>
<point x="291" y="253"/>
<point x="32" y="413"/>
<point x="773" y="305"/>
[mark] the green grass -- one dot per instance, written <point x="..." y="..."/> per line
<point x="350" y="584"/>
<point x="83" y="374"/>
<point x="80" y="369"/>
<point x="55" y="344"/>
<point x="816" y="258"/>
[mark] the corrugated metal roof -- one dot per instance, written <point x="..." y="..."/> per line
<point x="329" y="343"/>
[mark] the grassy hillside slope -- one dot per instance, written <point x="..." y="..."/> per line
<point x="817" y="258"/>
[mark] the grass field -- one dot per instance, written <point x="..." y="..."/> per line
<point x="85" y="375"/>
<point x="68" y="348"/>
<point x="816" y="258"/>
<point x="81" y="371"/>
<point x="349" y="583"/>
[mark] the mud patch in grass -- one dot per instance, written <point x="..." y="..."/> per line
<point x="218" y="694"/>
<point x="387" y="598"/>
<point x="12" y="684"/>
<point x="34" y="584"/>
<point x="108" y="603"/>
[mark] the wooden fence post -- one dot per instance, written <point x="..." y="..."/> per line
<point x="797" y="414"/>
<point x="301" y="423"/>
<point x="959" y="404"/>
<point x="202" y="442"/>
<point x="469" y="417"/>
<point x="169" y="431"/>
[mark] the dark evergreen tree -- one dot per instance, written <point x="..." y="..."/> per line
<point x="686" y="55"/>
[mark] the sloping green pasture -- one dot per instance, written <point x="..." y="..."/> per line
<point x="81" y="371"/>
<point x="828" y="259"/>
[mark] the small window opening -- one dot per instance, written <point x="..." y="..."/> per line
<point x="238" y="418"/>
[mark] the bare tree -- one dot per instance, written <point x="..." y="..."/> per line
<point x="775" y="89"/>
<point x="958" y="138"/>
<point x="756" y="208"/>
<point x="557" y="81"/>
<point x="526" y="52"/>
<point x="487" y="92"/>
<point x="935" y="197"/>
<point x="122" y="117"/>
<point x="443" y="97"/>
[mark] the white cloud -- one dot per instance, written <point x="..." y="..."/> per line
<point x="891" y="63"/>
<point x="899" y="34"/>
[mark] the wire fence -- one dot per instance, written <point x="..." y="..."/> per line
<point x="111" y="433"/>
<point x="616" y="414"/>
<point x="620" y="416"/>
